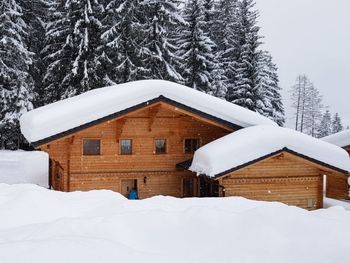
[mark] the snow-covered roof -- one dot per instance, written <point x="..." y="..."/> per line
<point x="340" y="139"/>
<point x="62" y="116"/>
<point x="253" y="143"/>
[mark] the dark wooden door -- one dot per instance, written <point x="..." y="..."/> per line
<point x="189" y="187"/>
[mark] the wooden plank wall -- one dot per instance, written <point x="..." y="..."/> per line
<point x="148" y="183"/>
<point x="106" y="170"/>
<point x="283" y="178"/>
<point x="337" y="187"/>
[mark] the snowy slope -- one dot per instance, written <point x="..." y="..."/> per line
<point x="252" y="143"/>
<point x="40" y="226"/>
<point x="340" y="139"/>
<point x="93" y="105"/>
<point x="24" y="167"/>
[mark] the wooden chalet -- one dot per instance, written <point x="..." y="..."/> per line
<point x="143" y="135"/>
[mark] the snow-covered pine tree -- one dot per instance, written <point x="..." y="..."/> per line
<point x="269" y="101"/>
<point x="124" y="39"/>
<point x="57" y="53"/>
<point x="337" y="124"/>
<point x="245" y="90"/>
<point x="35" y="15"/>
<point x="16" y="84"/>
<point x="84" y="40"/>
<point x="160" y="18"/>
<point x="73" y="52"/>
<point x="325" y="127"/>
<point x="196" y="49"/>
<point x="224" y="34"/>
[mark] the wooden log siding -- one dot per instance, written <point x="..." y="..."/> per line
<point x="284" y="178"/>
<point x="106" y="171"/>
<point x="337" y="187"/>
<point x="148" y="183"/>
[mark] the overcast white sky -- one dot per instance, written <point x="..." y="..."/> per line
<point x="310" y="37"/>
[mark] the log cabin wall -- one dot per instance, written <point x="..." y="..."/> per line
<point x="155" y="173"/>
<point x="337" y="187"/>
<point x="282" y="178"/>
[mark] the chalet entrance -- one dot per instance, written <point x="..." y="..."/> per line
<point x="127" y="185"/>
<point x="210" y="187"/>
<point x="189" y="187"/>
<point x="201" y="186"/>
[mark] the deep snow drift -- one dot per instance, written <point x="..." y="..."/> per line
<point x="39" y="225"/>
<point x="252" y="143"/>
<point x="24" y="167"/>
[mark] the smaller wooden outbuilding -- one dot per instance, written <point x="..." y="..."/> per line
<point x="272" y="164"/>
<point x="339" y="188"/>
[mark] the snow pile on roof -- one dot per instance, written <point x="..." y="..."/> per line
<point x="251" y="143"/>
<point x="340" y="139"/>
<point x="24" y="167"/>
<point x="64" y="115"/>
<point x="102" y="226"/>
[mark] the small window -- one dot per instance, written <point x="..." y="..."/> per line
<point x="191" y="145"/>
<point x="126" y="146"/>
<point x="91" y="147"/>
<point x="160" y="146"/>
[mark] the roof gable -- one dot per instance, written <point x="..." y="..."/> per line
<point x="68" y="116"/>
<point x="252" y="144"/>
<point x="277" y="153"/>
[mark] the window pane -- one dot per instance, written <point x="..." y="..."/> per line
<point x="160" y="145"/>
<point x="187" y="146"/>
<point x="125" y="146"/>
<point x="91" y="147"/>
<point x="191" y="145"/>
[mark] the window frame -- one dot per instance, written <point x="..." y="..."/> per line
<point x="155" y="147"/>
<point x="191" y="138"/>
<point x="120" y="146"/>
<point x="92" y="139"/>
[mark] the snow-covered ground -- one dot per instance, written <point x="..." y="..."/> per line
<point x="39" y="225"/>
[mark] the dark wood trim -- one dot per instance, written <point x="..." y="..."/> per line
<point x="161" y="98"/>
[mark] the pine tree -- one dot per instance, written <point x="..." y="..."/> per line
<point x="124" y="39"/>
<point x="337" y="125"/>
<point x="73" y="52"/>
<point x="16" y="84"/>
<point x="196" y="49"/>
<point x="57" y="53"/>
<point x="160" y="17"/>
<point x="35" y="15"/>
<point x="245" y="90"/>
<point x="269" y="101"/>
<point x="85" y="41"/>
<point x="325" y="127"/>
<point x="224" y="34"/>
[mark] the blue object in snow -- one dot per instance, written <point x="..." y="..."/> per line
<point x="133" y="195"/>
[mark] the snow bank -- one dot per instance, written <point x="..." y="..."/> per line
<point x="38" y="225"/>
<point x="24" y="167"/>
<point x="252" y="143"/>
<point x="340" y="139"/>
<point x="93" y="105"/>
<point x="330" y="202"/>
